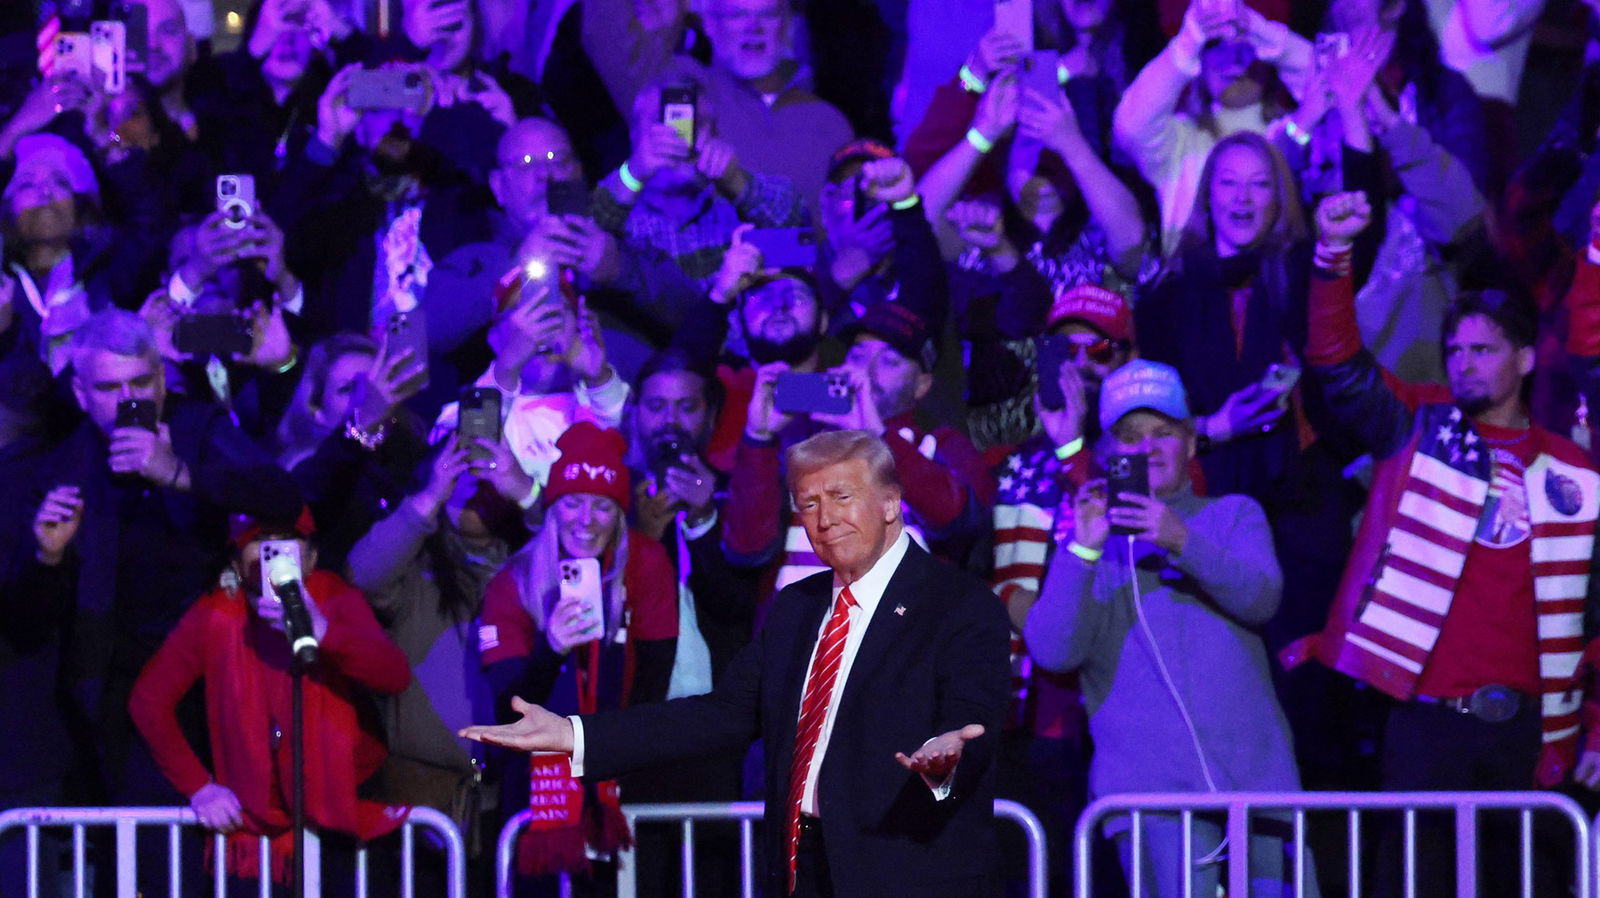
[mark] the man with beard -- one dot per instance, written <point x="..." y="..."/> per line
<point x="374" y="199"/>
<point x="676" y="500"/>
<point x="948" y="492"/>
<point x="1467" y="595"/>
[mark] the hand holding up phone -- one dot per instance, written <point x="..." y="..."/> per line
<point x="1150" y="520"/>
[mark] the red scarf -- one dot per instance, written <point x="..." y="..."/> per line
<point x="563" y="823"/>
<point x="243" y="692"/>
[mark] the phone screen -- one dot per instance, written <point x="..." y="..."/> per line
<point x="479" y="416"/>
<point x="677" y="111"/>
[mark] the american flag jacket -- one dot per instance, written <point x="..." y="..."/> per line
<point x="1033" y="516"/>
<point x="1431" y="485"/>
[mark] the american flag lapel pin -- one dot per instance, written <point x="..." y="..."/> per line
<point x="900" y="610"/>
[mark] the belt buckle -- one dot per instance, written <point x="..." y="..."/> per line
<point x="1494" y="703"/>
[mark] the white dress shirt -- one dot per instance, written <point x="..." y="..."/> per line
<point x="867" y="591"/>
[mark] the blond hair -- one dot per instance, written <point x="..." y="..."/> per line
<point x="834" y="447"/>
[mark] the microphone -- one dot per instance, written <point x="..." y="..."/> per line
<point x="283" y="572"/>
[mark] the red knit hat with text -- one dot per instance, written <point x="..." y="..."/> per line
<point x="590" y="462"/>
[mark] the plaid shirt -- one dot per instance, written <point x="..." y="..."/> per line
<point x="697" y="243"/>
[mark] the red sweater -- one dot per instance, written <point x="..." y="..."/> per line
<point x="245" y="665"/>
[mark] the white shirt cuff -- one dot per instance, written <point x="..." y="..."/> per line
<point x="690" y="534"/>
<point x="942" y="790"/>
<point x="577" y="745"/>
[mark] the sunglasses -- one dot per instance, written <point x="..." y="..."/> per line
<point x="1099" y="350"/>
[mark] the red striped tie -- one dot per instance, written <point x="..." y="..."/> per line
<point x="813" y="710"/>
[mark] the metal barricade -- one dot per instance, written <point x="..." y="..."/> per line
<point x="1240" y="807"/>
<point x="747" y="813"/>
<point x="126" y="822"/>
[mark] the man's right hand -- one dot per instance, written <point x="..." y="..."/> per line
<point x="995" y="50"/>
<point x="56" y="523"/>
<point x="217" y="807"/>
<point x="997" y="110"/>
<point x="655" y="146"/>
<point x="1090" y="528"/>
<point x="1253" y="409"/>
<point x="335" y="116"/>
<point x="1341" y="217"/>
<point x="740" y="265"/>
<point x="1065" y="425"/>
<point x="763" y="420"/>
<point x="538" y="730"/>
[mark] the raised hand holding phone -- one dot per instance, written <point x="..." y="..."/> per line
<point x="576" y="619"/>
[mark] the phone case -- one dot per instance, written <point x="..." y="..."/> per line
<point x="785" y="247"/>
<point x="137" y="413"/>
<point x="408" y="330"/>
<point x="108" y="41"/>
<point x="1126" y="474"/>
<point x="1041" y="73"/>
<point x="1054" y="351"/>
<point x="812" y="392"/>
<point x="271" y="549"/>
<point x="1015" y="17"/>
<point x="222" y="336"/>
<point x="580" y="578"/>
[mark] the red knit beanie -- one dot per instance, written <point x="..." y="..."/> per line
<point x="590" y="462"/>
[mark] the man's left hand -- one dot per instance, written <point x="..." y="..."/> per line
<point x="1152" y="520"/>
<point x="937" y="758"/>
<point x="717" y="161"/>
<point x="1588" y="770"/>
<point x="135" y="450"/>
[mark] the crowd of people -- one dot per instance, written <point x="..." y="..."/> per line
<point x="1215" y="345"/>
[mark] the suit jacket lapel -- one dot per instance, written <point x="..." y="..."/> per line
<point x="895" y="613"/>
<point x="809" y="622"/>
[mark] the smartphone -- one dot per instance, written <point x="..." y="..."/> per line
<point x="1126" y="474"/>
<point x="135" y="17"/>
<point x="785" y="247"/>
<point x="1280" y="378"/>
<point x="386" y="89"/>
<point x="407" y="330"/>
<point x="861" y="202"/>
<point x="1015" y="17"/>
<point x="137" y="413"/>
<point x="1331" y="47"/>
<point x="580" y="578"/>
<point x="74" y="14"/>
<point x="1054" y="351"/>
<point x="478" y="416"/>
<point x="222" y="335"/>
<point x="818" y="392"/>
<point x="567" y="198"/>
<point x="75" y="55"/>
<point x="1041" y="73"/>
<point x="666" y="450"/>
<point x="677" y="111"/>
<point x="108" y="50"/>
<point x="270" y="550"/>
<point x="236" y="199"/>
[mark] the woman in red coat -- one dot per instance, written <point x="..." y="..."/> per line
<point x="233" y="639"/>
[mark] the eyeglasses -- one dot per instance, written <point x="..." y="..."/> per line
<point x="1100" y="350"/>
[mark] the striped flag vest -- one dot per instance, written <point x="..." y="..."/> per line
<point x="1435" y="522"/>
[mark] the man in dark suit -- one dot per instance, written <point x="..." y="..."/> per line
<point x="852" y="667"/>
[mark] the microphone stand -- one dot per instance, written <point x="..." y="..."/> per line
<point x="297" y="750"/>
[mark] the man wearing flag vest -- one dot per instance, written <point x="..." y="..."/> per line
<point x="1466" y="595"/>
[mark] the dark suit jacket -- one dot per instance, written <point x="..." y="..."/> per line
<point x="939" y="665"/>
